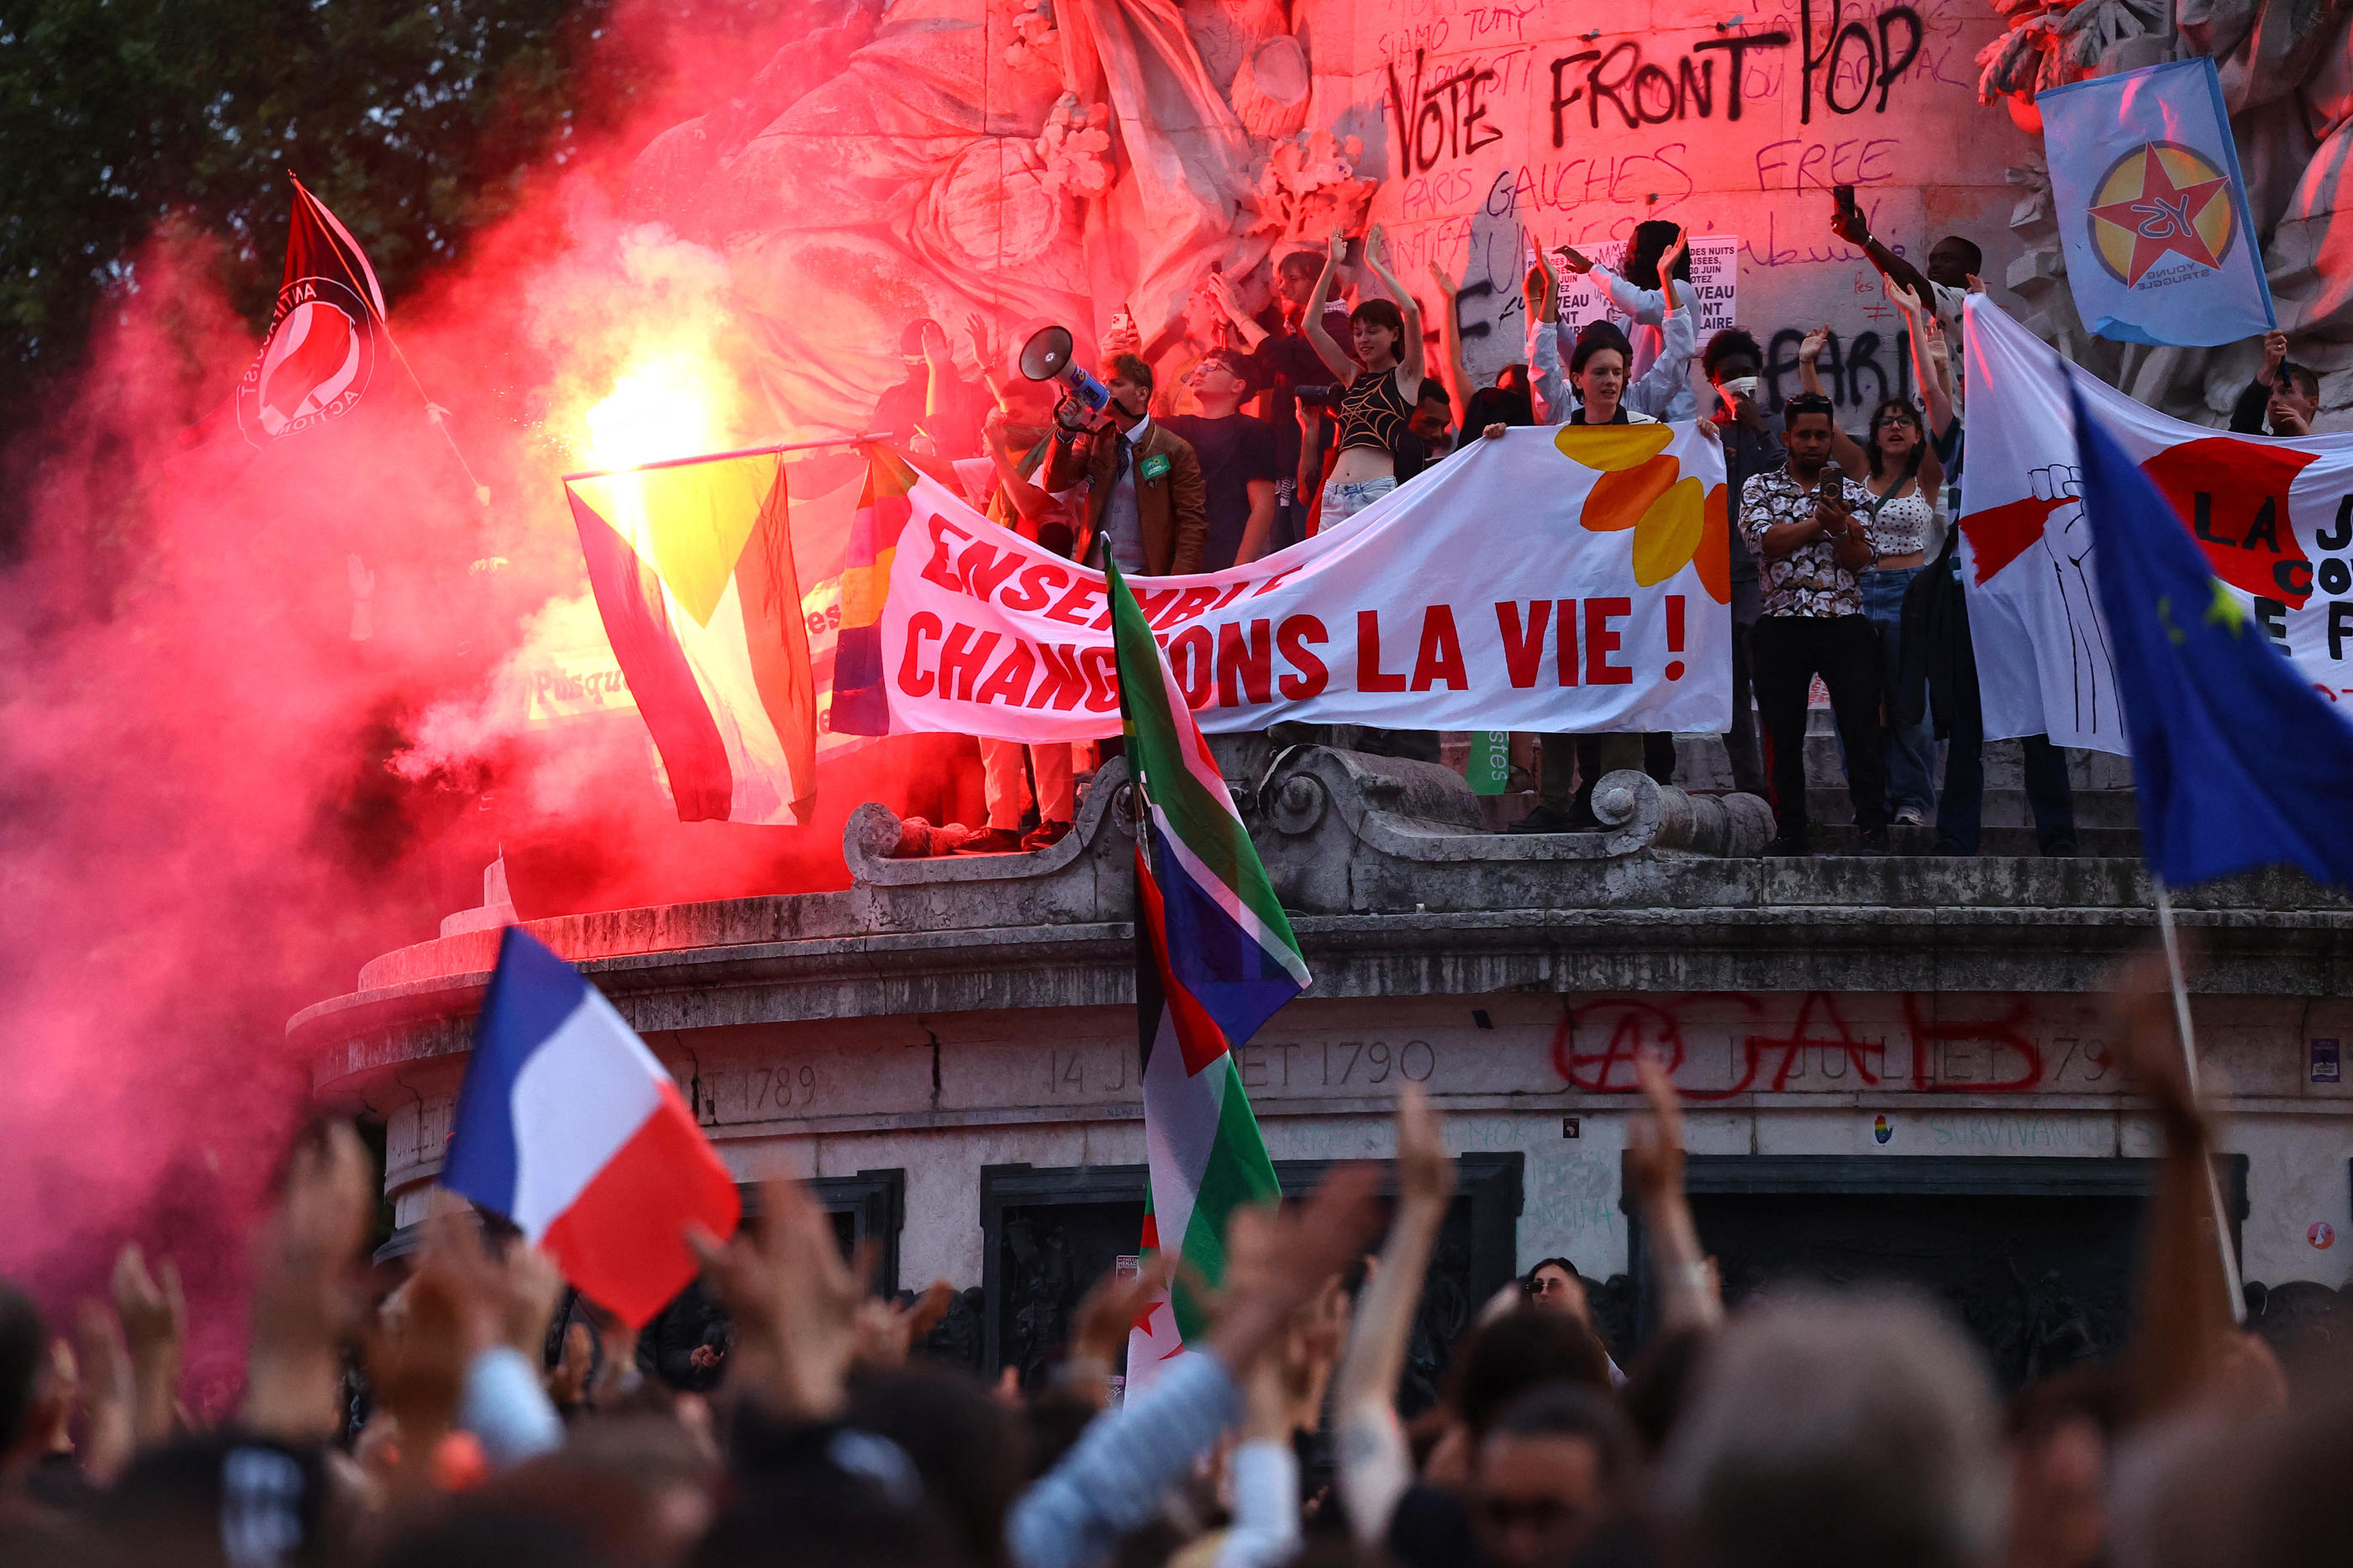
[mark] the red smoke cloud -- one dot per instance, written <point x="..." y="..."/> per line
<point x="262" y="712"/>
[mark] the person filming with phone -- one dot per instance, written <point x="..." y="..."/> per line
<point x="1804" y="524"/>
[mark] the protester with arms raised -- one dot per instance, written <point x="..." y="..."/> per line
<point x="1656" y="284"/>
<point x="1660" y="389"/>
<point x="1384" y="382"/>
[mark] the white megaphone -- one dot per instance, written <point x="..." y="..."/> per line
<point x="1047" y="357"/>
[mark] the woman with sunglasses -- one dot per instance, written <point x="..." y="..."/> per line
<point x="1897" y="463"/>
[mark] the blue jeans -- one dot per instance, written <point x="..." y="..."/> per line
<point x="1342" y="502"/>
<point x="1911" y="750"/>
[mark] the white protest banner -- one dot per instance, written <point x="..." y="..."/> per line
<point x="2273" y="516"/>
<point x="1554" y="579"/>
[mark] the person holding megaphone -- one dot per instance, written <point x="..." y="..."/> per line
<point x="1146" y="507"/>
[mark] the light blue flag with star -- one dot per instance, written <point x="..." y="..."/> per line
<point x="2144" y="185"/>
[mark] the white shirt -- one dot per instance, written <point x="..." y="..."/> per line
<point x="1654" y="393"/>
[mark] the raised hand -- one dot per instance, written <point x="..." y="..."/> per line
<point x="1425" y="1174"/>
<point x="304" y="1299"/>
<point x="983" y="341"/>
<point x="416" y="1355"/>
<point x="1815" y="342"/>
<point x="1849" y="223"/>
<point x="1111" y="1308"/>
<point x="1673" y="254"/>
<point x="508" y="1298"/>
<point x="791" y="1299"/>
<point x="108" y="1393"/>
<point x="887" y="1330"/>
<point x="154" y="1325"/>
<point x="1975" y="285"/>
<point x="936" y="346"/>
<point x="568" y="1383"/>
<point x="1933" y="343"/>
<point x="1445" y="281"/>
<point x="1376" y="245"/>
<point x="1338" y="248"/>
<point x="1572" y="259"/>
<point x="1654" y="1145"/>
<point x="1221" y="288"/>
<point x="1690" y="1295"/>
<point x="1301" y="1247"/>
<point x="2274" y="355"/>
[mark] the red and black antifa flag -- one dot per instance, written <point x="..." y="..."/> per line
<point x="327" y="344"/>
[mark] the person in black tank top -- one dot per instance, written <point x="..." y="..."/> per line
<point x="1373" y="413"/>
<point x="1383" y="377"/>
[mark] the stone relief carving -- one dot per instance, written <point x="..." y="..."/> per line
<point x="2287" y="68"/>
<point x="1028" y="159"/>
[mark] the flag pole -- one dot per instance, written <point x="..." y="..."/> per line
<point x="872" y="437"/>
<point x="435" y="415"/>
<point x="2189" y="1062"/>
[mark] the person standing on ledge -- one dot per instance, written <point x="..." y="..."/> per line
<point x="1146" y="505"/>
<point x="2281" y="400"/>
<point x="1384" y="383"/>
<point x="1954" y="265"/>
<point x="1805" y="529"/>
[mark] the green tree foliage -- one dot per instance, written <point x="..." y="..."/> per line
<point x="416" y="121"/>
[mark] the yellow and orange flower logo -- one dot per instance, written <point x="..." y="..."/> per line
<point x="1675" y="524"/>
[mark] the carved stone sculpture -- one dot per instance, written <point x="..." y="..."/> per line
<point x="2287" y="68"/>
<point x="1024" y="160"/>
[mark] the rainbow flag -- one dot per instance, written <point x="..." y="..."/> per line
<point x="1215" y="959"/>
<point x="860" y="706"/>
<point x="692" y="562"/>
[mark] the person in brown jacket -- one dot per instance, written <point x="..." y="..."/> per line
<point x="1146" y="507"/>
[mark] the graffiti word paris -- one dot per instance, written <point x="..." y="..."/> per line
<point x="1819" y="1051"/>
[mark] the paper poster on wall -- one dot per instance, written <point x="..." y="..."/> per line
<point x="1714" y="277"/>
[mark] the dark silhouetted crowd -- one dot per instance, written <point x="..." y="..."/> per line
<point x="461" y="1410"/>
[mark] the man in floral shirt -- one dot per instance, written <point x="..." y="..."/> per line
<point x="1803" y="528"/>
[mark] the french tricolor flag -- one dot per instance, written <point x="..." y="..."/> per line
<point x="571" y="1128"/>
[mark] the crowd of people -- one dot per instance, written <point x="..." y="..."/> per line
<point x="443" y="1413"/>
<point x="1234" y="434"/>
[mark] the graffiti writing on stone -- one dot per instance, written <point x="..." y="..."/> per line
<point x="1597" y="1043"/>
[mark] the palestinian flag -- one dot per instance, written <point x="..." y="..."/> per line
<point x="1215" y="958"/>
<point x="692" y="562"/>
<point x="860" y="706"/>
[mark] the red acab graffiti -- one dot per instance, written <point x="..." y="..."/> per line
<point x="1767" y="1062"/>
